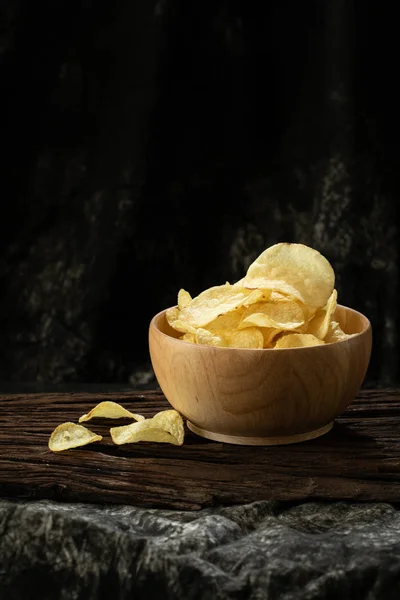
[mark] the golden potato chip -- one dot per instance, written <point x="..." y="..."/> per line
<point x="319" y="324"/>
<point x="179" y="325"/>
<point x="297" y="340"/>
<point x="245" y="338"/>
<point x="189" y="337"/>
<point x="254" y="296"/>
<point x="275" y="296"/>
<point x="172" y="422"/>
<point x="238" y="284"/>
<point x="70" y="435"/>
<point x="298" y="266"/>
<point x="142" y="431"/>
<point x="184" y="299"/>
<point x="110" y="410"/>
<point x="269" y="335"/>
<point x="172" y="315"/>
<point x="285" y="315"/>
<point x="166" y="429"/>
<point x="212" y="303"/>
<point x="335" y="333"/>
<point x="226" y="322"/>
<point x="274" y="289"/>
<point x="205" y="337"/>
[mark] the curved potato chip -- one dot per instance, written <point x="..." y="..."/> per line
<point x="184" y="299"/>
<point x="275" y="296"/>
<point x="255" y="296"/>
<point x="189" y="337"/>
<point x="172" y="422"/>
<point x="179" y="325"/>
<point x="229" y="321"/>
<point x="172" y="314"/>
<point x="319" y="324"/>
<point x="335" y="333"/>
<point x="215" y="301"/>
<point x="142" y="431"/>
<point x="110" y="410"/>
<point x="269" y="335"/>
<point x="205" y="337"/>
<point x="274" y="287"/>
<point x="297" y="340"/>
<point x="70" y="435"/>
<point x="299" y="266"/>
<point x="246" y="338"/>
<point x="238" y="284"/>
<point x="285" y="315"/>
<point x="166" y="426"/>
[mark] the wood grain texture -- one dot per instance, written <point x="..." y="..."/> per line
<point x="261" y="396"/>
<point x="358" y="460"/>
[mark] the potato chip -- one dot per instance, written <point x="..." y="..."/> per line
<point x="70" y="435"/>
<point x="172" y="316"/>
<point x="335" y="333"/>
<point x="227" y="322"/>
<point x="214" y="302"/>
<point x="184" y="299"/>
<point x="297" y="340"/>
<point x="205" y="337"/>
<point x="189" y="337"/>
<point x="285" y="315"/>
<point x="298" y="266"/>
<point x="179" y="325"/>
<point x="274" y="288"/>
<point x="275" y="296"/>
<point x="142" y="431"/>
<point x="172" y="422"/>
<point x="110" y="410"/>
<point x="269" y="334"/>
<point x="164" y="428"/>
<point x="238" y="284"/>
<point x="245" y="338"/>
<point x="254" y="296"/>
<point x="319" y="324"/>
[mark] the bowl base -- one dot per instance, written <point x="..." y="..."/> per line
<point x="259" y="441"/>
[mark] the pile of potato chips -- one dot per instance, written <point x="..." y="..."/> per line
<point x="287" y="299"/>
<point x="166" y="426"/>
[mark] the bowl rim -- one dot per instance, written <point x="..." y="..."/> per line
<point x="368" y="328"/>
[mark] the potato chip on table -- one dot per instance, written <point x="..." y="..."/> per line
<point x="70" y="435"/>
<point x="166" y="426"/>
<point x="110" y="410"/>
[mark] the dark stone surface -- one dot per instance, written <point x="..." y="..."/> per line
<point x="149" y="146"/>
<point x="263" y="550"/>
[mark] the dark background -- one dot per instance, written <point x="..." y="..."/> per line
<point x="149" y="146"/>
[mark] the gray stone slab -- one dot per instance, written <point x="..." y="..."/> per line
<point x="261" y="550"/>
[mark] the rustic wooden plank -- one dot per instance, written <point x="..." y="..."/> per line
<point x="358" y="460"/>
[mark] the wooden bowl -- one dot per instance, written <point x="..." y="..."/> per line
<point x="261" y="397"/>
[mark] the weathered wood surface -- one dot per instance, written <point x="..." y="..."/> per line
<point x="358" y="460"/>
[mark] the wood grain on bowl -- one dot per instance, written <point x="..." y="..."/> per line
<point x="265" y="396"/>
